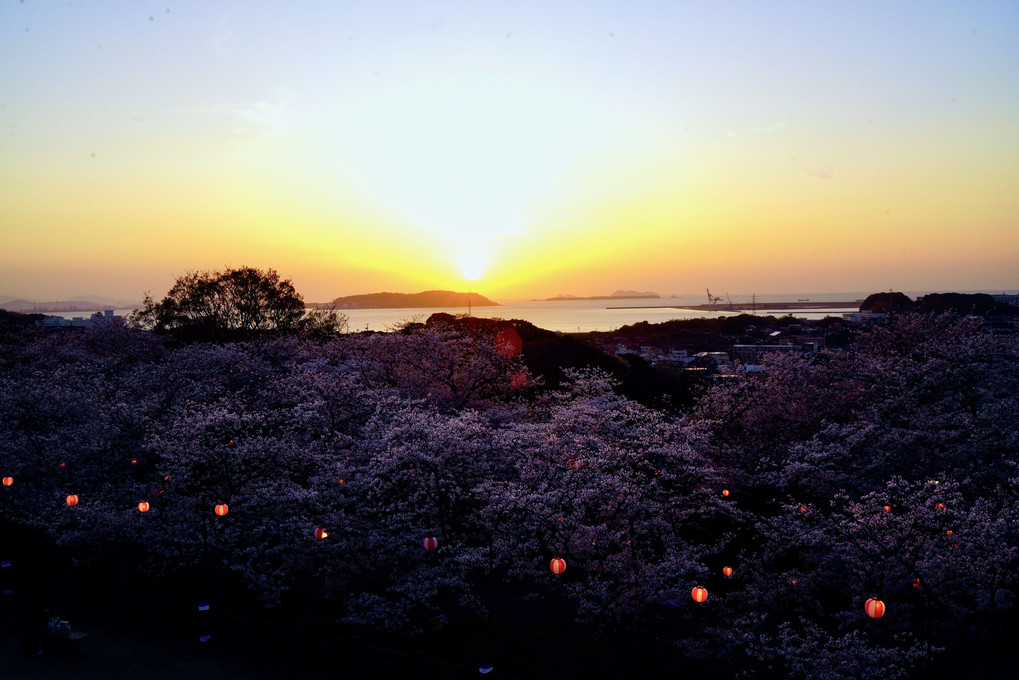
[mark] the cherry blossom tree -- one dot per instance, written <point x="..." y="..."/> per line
<point x="887" y="468"/>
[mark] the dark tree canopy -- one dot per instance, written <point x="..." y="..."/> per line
<point x="235" y="302"/>
<point x="884" y="469"/>
<point x="888" y="302"/>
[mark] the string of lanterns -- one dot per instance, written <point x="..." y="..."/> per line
<point x="873" y="607"/>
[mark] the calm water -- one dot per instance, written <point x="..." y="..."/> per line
<point x="591" y="315"/>
<point x="579" y="315"/>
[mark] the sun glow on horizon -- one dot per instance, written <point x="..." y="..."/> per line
<point x="473" y="262"/>
<point x="472" y="271"/>
<point x="582" y="149"/>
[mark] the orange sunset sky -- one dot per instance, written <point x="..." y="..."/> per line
<point x="516" y="149"/>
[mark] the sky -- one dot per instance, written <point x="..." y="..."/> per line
<point x="519" y="150"/>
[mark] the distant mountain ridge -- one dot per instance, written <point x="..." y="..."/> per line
<point x="83" y="303"/>
<point x="618" y="295"/>
<point x="103" y="300"/>
<point x="635" y="293"/>
<point x="428" y="298"/>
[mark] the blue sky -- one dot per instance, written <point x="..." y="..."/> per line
<point x="530" y="146"/>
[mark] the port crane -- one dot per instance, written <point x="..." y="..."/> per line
<point x="712" y="299"/>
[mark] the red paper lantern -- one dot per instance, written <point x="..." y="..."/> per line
<point x="341" y="481"/>
<point x="803" y="509"/>
<point x="948" y="533"/>
<point x="222" y="509"/>
<point x="62" y="465"/>
<point x="874" y="607"/>
<point x="72" y="500"/>
<point x="321" y="533"/>
<point x="134" y="461"/>
<point x="727" y="571"/>
<point x="725" y="492"/>
<point x="231" y="442"/>
<point x="916" y="583"/>
<point x="430" y="543"/>
<point x="699" y="594"/>
<point x="888" y="508"/>
<point x="143" y="507"/>
<point x="8" y="481"/>
<point x="557" y="565"/>
<point x="940" y="506"/>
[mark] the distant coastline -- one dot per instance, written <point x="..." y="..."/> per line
<point x="746" y="306"/>
<point x="57" y="306"/>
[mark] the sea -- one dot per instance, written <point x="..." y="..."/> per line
<point x="585" y="316"/>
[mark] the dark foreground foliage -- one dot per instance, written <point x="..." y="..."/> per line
<point x="885" y="470"/>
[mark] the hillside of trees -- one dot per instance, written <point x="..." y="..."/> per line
<point x="963" y="304"/>
<point x="884" y="469"/>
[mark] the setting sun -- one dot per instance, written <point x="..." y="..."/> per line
<point x="575" y="151"/>
<point x="472" y="263"/>
<point x="438" y="297"/>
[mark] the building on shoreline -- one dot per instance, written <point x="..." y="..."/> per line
<point x="1006" y="299"/>
<point x="863" y="316"/>
<point x="99" y="318"/>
